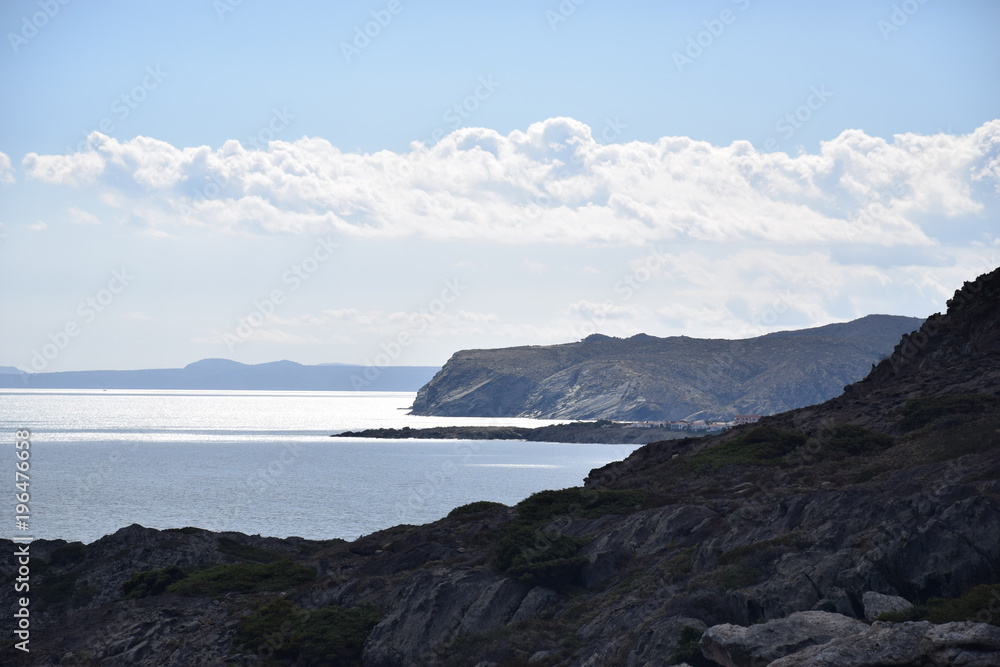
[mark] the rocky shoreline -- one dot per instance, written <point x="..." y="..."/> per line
<point x="600" y="432"/>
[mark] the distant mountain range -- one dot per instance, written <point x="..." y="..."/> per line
<point x="225" y="374"/>
<point x="650" y="378"/>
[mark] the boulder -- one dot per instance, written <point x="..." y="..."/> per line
<point x="961" y="644"/>
<point x="757" y="645"/>
<point x="880" y="603"/>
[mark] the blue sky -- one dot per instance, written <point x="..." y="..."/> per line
<point x="710" y="169"/>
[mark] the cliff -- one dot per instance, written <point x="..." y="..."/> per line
<point x="649" y="378"/>
<point x="861" y="531"/>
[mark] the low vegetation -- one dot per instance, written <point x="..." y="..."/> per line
<point x="334" y="635"/>
<point x="543" y="506"/>
<point x="761" y="445"/>
<point x="247" y="552"/>
<point x="842" y="440"/>
<point x="764" y="552"/>
<point x="689" y="649"/>
<point x="537" y="557"/>
<point x="918" y="412"/>
<point x="218" y="579"/>
<point x="478" y="507"/>
<point x="980" y="604"/>
<point x="242" y="578"/>
<point x="152" y="582"/>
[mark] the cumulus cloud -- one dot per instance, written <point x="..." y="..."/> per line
<point x="552" y="182"/>
<point x="6" y="172"/>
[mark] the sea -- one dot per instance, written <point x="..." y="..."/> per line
<point x="258" y="462"/>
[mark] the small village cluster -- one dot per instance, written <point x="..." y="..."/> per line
<point x="698" y="425"/>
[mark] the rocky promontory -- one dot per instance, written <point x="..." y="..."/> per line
<point x="599" y="432"/>
<point x="650" y="378"/>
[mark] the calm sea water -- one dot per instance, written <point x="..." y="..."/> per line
<point x="260" y="462"/>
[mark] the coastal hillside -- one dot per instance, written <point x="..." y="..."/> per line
<point x="650" y="378"/>
<point x="861" y="531"/>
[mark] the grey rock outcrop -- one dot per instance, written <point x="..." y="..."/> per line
<point x="758" y="645"/>
<point x="880" y="603"/>
<point x="960" y="644"/>
<point x="440" y="606"/>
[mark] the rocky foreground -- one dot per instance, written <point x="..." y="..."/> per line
<point x="863" y="531"/>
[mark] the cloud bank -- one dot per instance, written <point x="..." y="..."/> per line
<point x="554" y="183"/>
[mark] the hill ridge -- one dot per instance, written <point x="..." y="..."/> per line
<point x="650" y="378"/>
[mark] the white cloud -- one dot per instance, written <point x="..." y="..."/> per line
<point x="81" y="217"/>
<point x="39" y="226"/>
<point x="552" y="183"/>
<point x="6" y="172"/>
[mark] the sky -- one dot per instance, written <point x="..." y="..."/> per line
<point x="388" y="182"/>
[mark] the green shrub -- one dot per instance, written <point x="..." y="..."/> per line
<point x="689" y="649"/>
<point x="152" y="582"/>
<point x="474" y="508"/>
<point x="68" y="554"/>
<point x="57" y="589"/>
<point x="979" y="604"/>
<point x="842" y="440"/>
<point x="242" y="578"/>
<point x="765" y="551"/>
<point x="541" y="558"/>
<point x="761" y="445"/>
<point x="281" y="630"/>
<point x="919" y="412"/>
<point x="578" y="501"/>
<point x="733" y="577"/>
<point x="247" y="552"/>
